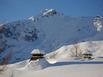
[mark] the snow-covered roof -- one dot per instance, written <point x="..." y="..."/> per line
<point x="36" y="51"/>
<point x="48" y="11"/>
<point x="86" y="52"/>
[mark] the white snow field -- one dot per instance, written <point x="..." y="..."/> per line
<point x="68" y="71"/>
<point x="44" y="69"/>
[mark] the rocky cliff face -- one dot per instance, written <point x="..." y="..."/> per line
<point x="16" y="34"/>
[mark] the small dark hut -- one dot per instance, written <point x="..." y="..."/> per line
<point x="36" y="54"/>
<point x="87" y="55"/>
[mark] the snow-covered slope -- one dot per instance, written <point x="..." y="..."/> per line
<point x="17" y="37"/>
<point x="68" y="52"/>
<point x="67" y="71"/>
<point x="70" y="70"/>
<point x="48" y="31"/>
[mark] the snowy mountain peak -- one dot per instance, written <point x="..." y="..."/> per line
<point x="36" y="51"/>
<point x="98" y="23"/>
<point x="31" y="18"/>
<point x="49" y="12"/>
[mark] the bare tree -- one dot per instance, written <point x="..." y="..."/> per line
<point x="76" y="51"/>
<point x="5" y="61"/>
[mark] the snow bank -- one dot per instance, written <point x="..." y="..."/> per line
<point x="92" y="70"/>
<point x="34" y="65"/>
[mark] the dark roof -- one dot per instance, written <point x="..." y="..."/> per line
<point x="87" y="54"/>
<point x="38" y="54"/>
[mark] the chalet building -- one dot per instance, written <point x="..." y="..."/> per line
<point x="87" y="55"/>
<point x="36" y="54"/>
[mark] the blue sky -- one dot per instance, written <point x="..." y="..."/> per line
<point x="11" y="10"/>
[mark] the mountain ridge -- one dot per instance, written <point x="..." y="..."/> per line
<point x="47" y="32"/>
